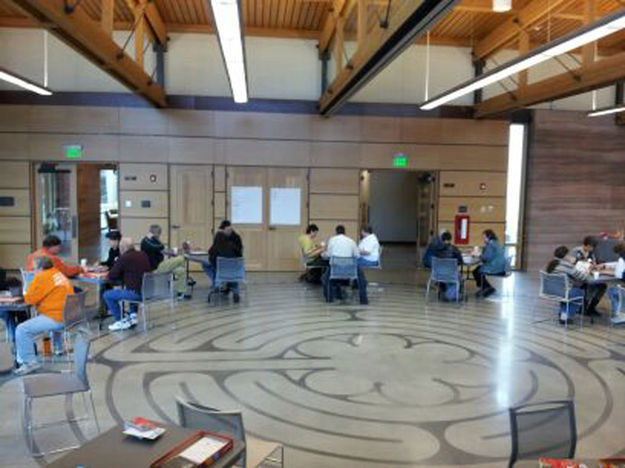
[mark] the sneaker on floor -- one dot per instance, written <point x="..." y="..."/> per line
<point x="27" y="368"/>
<point x="618" y="318"/>
<point x="183" y="297"/>
<point x="488" y="291"/>
<point x="59" y="353"/>
<point x="567" y="321"/>
<point x="132" y="320"/>
<point x="119" y="325"/>
<point x="236" y="298"/>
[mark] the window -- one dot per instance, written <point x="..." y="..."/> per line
<point x="515" y="188"/>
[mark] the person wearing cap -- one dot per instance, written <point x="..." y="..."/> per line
<point x="114" y="237"/>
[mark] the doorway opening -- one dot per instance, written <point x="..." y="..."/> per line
<point x="400" y="207"/>
<point x="78" y="202"/>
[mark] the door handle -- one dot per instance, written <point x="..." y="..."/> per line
<point x="272" y="228"/>
<point x="175" y="226"/>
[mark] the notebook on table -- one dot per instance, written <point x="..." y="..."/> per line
<point x="203" y="449"/>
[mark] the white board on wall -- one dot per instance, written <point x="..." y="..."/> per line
<point x="247" y="205"/>
<point x="285" y="206"/>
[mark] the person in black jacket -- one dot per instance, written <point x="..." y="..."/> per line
<point x="153" y="247"/>
<point x="114" y="237"/>
<point x="226" y="243"/>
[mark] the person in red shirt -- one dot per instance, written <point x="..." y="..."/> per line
<point x="51" y="248"/>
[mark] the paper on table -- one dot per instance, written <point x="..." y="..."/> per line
<point x="285" y="206"/>
<point x="247" y="205"/>
<point x="202" y="450"/>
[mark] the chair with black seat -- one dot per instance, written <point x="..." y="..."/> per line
<point x="57" y="384"/>
<point x="444" y="271"/>
<point x="230" y="423"/>
<point x="543" y="430"/>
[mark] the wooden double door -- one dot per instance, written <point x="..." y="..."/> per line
<point x="267" y="206"/>
<point x="269" y="209"/>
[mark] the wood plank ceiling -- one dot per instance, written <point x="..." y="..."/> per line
<point x="470" y="21"/>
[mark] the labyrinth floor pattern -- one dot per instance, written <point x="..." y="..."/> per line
<point x="399" y="383"/>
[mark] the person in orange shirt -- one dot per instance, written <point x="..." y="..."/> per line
<point x="47" y="291"/>
<point x="51" y="248"/>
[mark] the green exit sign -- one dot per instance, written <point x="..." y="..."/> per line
<point x="73" y="151"/>
<point x="400" y="160"/>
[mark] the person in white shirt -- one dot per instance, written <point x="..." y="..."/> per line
<point x="369" y="248"/>
<point x="342" y="246"/>
<point x="619" y="272"/>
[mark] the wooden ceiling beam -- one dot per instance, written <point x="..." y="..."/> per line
<point x="329" y="28"/>
<point x="86" y="36"/>
<point x="153" y="18"/>
<point x="486" y="6"/>
<point x="595" y="75"/>
<point x="532" y="14"/>
<point x="107" y="19"/>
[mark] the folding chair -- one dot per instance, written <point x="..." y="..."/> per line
<point x="229" y="270"/>
<point x="556" y="287"/>
<point x="444" y="271"/>
<point x="156" y="287"/>
<point x="342" y="269"/>
<point x="542" y="430"/>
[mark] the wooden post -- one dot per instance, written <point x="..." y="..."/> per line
<point x="524" y="48"/>
<point x="588" y="50"/>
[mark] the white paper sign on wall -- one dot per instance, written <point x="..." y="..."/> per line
<point x="247" y="205"/>
<point x="285" y="206"/>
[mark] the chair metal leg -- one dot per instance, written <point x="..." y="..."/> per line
<point x="145" y="317"/>
<point x="95" y="414"/>
<point x="427" y="291"/>
<point x="28" y="426"/>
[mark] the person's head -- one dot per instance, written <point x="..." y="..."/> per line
<point x="126" y="244"/>
<point x="114" y="237"/>
<point x="489" y="235"/>
<point x="155" y="231"/>
<point x="52" y="244"/>
<point x="366" y="230"/>
<point x="590" y="243"/>
<point x="43" y="263"/>
<point x="226" y="227"/>
<point x="312" y="230"/>
<point x="619" y="249"/>
<point x="560" y="253"/>
<point x="446" y="237"/>
<point x="186" y="247"/>
<point x="340" y="229"/>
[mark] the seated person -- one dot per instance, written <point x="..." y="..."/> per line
<point x="48" y="292"/>
<point x="586" y="251"/>
<point x="448" y="250"/>
<point x="226" y="243"/>
<point x="342" y="246"/>
<point x="312" y="250"/>
<point x="129" y="269"/>
<point x="114" y="237"/>
<point x="619" y="272"/>
<point x="432" y="247"/>
<point x="493" y="263"/>
<point x="369" y="248"/>
<point x="51" y="248"/>
<point x="564" y="263"/>
<point x="153" y="247"/>
<point x="177" y="264"/>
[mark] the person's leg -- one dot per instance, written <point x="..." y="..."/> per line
<point x="362" y="287"/>
<point x="364" y="263"/>
<point x="451" y="291"/>
<point x="613" y="295"/>
<point x="327" y="287"/>
<point x="594" y="293"/>
<point x="112" y="298"/>
<point x="177" y="266"/>
<point x="26" y="332"/>
<point x="210" y="271"/>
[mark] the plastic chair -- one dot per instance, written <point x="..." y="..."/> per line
<point x="343" y="268"/>
<point x="155" y="287"/>
<point x="543" y="430"/>
<point x="619" y="316"/>
<point x="55" y="384"/>
<point x="556" y="287"/>
<point x="444" y="271"/>
<point x="229" y="270"/>
<point x="74" y="314"/>
<point x="230" y="423"/>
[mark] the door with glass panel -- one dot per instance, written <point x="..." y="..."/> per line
<point x="57" y="206"/>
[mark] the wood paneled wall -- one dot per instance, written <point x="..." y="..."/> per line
<point x="15" y="214"/>
<point x="88" y="180"/>
<point x="574" y="182"/>
<point x="145" y="142"/>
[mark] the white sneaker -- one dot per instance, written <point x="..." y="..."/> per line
<point x="119" y="325"/>
<point x="618" y="318"/>
<point x="27" y="368"/>
<point x="133" y="320"/>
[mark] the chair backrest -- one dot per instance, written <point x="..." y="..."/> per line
<point x="543" y="430"/>
<point x="230" y="270"/>
<point x="444" y="270"/>
<point x="81" y="356"/>
<point x="604" y="252"/>
<point x="157" y="286"/>
<point x="508" y="267"/>
<point x="620" y="305"/>
<point x="195" y="416"/>
<point x="554" y="286"/>
<point x="380" y="257"/>
<point x="74" y="310"/>
<point x="27" y="277"/>
<point x="345" y="268"/>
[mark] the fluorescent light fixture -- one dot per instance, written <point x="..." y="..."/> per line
<point x="607" y="110"/>
<point x="228" y="23"/>
<point x="593" y="32"/>
<point x="500" y="6"/>
<point x="17" y="80"/>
